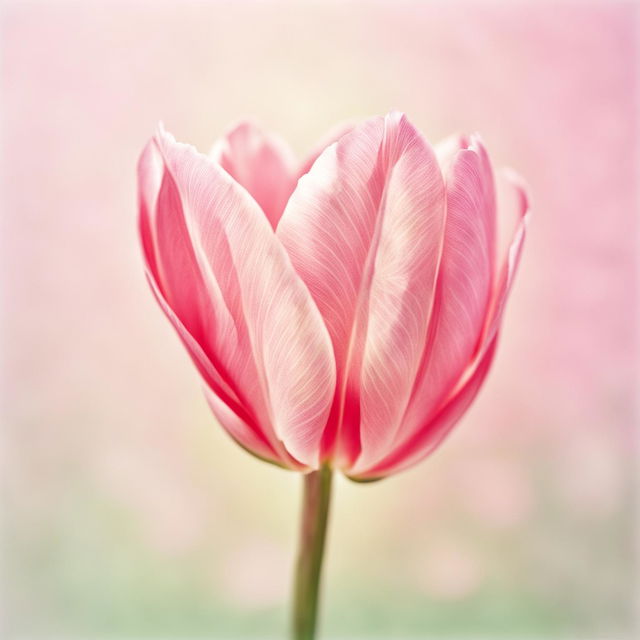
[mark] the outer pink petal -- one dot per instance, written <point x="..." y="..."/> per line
<point x="465" y="281"/>
<point x="364" y="230"/>
<point x="423" y="442"/>
<point x="513" y="208"/>
<point x="151" y="174"/>
<point x="222" y="272"/>
<point x="250" y="439"/>
<point x="224" y="403"/>
<point x="263" y="164"/>
<point x="234" y="417"/>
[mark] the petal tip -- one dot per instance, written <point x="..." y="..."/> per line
<point x="161" y="133"/>
<point x="396" y="116"/>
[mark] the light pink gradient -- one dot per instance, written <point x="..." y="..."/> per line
<point x="99" y="396"/>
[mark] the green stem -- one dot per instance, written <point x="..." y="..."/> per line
<point x="315" y="513"/>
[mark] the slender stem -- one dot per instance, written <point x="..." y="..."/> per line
<point x="313" y="530"/>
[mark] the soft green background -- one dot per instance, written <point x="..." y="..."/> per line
<point x="127" y="511"/>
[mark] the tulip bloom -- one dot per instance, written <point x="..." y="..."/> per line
<point x="342" y="312"/>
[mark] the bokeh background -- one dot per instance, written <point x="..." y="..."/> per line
<point x="128" y="513"/>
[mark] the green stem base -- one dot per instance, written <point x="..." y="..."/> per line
<point x="315" y="514"/>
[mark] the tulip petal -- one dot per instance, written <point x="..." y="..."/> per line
<point x="465" y="281"/>
<point x="426" y="440"/>
<point x="222" y="399"/>
<point x="250" y="439"/>
<point x="263" y="164"/>
<point x="513" y="210"/>
<point x="364" y="230"/>
<point x="229" y="281"/>
<point x="150" y="179"/>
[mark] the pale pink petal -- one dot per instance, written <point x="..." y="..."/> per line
<point x="230" y="282"/>
<point x="364" y="230"/>
<point x="263" y="164"/>
<point x="426" y="440"/>
<point x="513" y="208"/>
<point x="465" y="281"/>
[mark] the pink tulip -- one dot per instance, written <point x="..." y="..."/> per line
<point x="343" y="310"/>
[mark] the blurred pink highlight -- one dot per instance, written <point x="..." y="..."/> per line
<point x="256" y="575"/>
<point x="496" y="491"/>
<point x="449" y="571"/>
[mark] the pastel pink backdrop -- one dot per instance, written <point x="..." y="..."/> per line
<point x="127" y="509"/>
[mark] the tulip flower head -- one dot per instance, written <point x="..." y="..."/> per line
<point x="343" y="310"/>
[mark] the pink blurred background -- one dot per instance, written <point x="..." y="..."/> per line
<point x="128" y="512"/>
